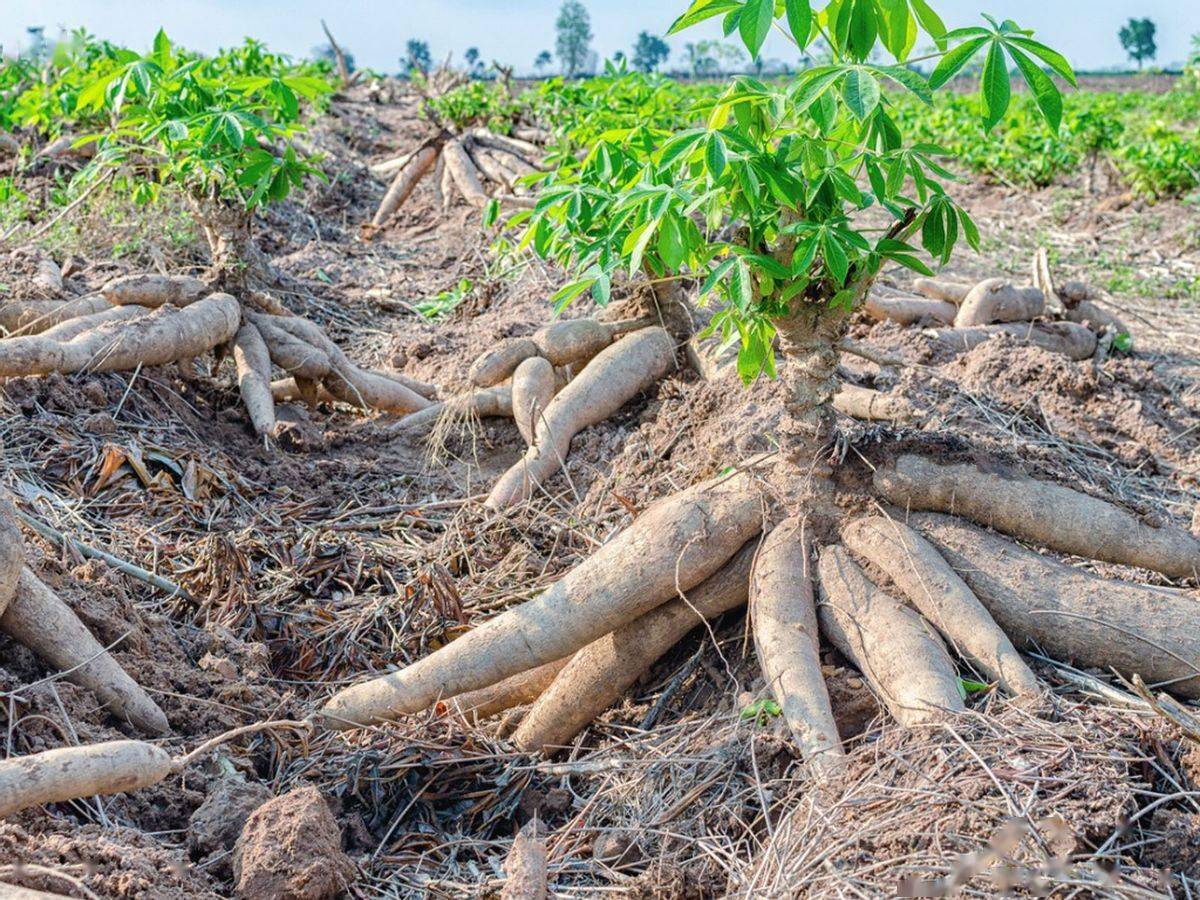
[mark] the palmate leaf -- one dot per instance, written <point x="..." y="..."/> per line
<point x="860" y="92"/>
<point x="755" y="23"/>
<point x="1049" y="100"/>
<point x="995" y="87"/>
<point x="954" y="61"/>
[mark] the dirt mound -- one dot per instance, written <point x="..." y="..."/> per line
<point x="291" y="849"/>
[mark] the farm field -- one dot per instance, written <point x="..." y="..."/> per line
<point x="616" y="486"/>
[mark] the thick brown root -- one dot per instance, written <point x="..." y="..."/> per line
<point x="941" y="289"/>
<point x="154" y="290"/>
<point x="404" y="184"/>
<point x="163" y="336"/>
<point x="903" y="659"/>
<point x="35" y="316"/>
<point x="1072" y="614"/>
<point x="932" y="586"/>
<point x="72" y="773"/>
<point x="533" y="387"/>
<point x="908" y="310"/>
<point x="786" y="639"/>
<point x="996" y="300"/>
<point x="349" y="383"/>
<point x="493" y="402"/>
<point x="517" y="147"/>
<point x="253" y="363"/>
<point x="578" y="340"/>
<point x="73" y="328"/>
<point x="39" y="620"/>
<point x="487" y="164"/>
<point x="516" y="690"/>
<point x="1038" y="511"/>
<point x="464" y="173"/>
<point x="493" y="367"/>
<point x="446" y="185"/>
<point x="1072" y="341"/>
<point x="12" y="553"/>
<point x="294" y="355"/>
<point x="673" y="546"/>
<point x="872" y="406"/>
<point x="599" y="674"/>
<point x="611" y="379"/>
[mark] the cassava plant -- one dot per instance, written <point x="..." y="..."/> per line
<point x="785" y="205"/>
<point x="223" y="132"/>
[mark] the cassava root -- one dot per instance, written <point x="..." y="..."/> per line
<point x="673" y="545"/>
<point x="1048" y="514"/>
<point x="784" y="620"/>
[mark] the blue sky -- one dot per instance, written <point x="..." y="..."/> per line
<point x="515" y="30"/>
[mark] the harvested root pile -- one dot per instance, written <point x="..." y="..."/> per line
<point x="1072" y="320"/>
<point x="476" y="164"/>
<point x="153" y="320"/>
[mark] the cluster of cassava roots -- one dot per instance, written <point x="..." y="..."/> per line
<point x="154" y="320"/>
<point x="467" y="163"/>
<point x="935" y="571"/>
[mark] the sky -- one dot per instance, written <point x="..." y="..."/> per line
<point x="514" y="31"/>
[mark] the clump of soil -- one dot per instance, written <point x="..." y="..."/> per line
<point x="214" y="827"/>
<point x="291" y="849"/>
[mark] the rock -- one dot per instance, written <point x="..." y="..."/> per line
<point x="291" y="849"/>
<point x="100" y="423"/>
<point x="216" y="824"/>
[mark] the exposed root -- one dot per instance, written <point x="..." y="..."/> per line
<point x="609" y="381"/>
<point x="1048" y="514"/>
<point x="253" y="363"/>
<point x="873" y="406"/>
<point x="905" y="662"/>
<point x="787" y="642"/>
<point x="907" y="309"/>
<point x="70" y="773"/>
<point x="942" y="289"/>
<point x="673" y="546"/>
<point x="165" y="336"/>
<point x="24" y="317"/>
<point x="533" y="387"/>
<point x="996" y="300"/>
<point x="602" y="671"/>
<point x="154" y="290"/>
<point x="1071" y="340"/>
<point x="516" y="690"/>
<point x="1071" y="613"/>
<point x="932" y="586"/>
<point x="490" y="402"/>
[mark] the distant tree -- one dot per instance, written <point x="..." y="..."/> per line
<point x="417" y="57"/>
<point x="1137" y="37"/>
<point x="474" y="62"/>
<point x="573" y="44"/>
<point x="39" y="47"/>
<point x="543" y="59"/>
<point x="649" y="52"/>
<point x="619" y="56"/>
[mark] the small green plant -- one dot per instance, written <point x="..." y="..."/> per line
<point x="761" y="710"/>
<point x="438" y="307"/>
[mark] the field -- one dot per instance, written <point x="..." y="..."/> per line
<point x="282" y="412"/>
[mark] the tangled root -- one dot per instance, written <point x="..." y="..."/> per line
<point x="476" y="165"/>
<point x="151" y="320"/>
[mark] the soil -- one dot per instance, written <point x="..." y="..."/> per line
<point x="359" y="546"/>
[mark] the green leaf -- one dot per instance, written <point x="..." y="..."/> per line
<point x="997" y="92"/>
<point x="864" y="29"/>
<point x="714" y="278"/>
<point x="906" y="77"/>
<point x="860" y="92"/>
<point x="568" y="292"/>
<point x="799" y="19"/>
<point x="835" y="258"/>
<point x="931" y="22"/>
<point x="714" y="154"/>
<point x="814" y="83"/>
<point x="491" y="212"/>
<point x="1052" y="58"/>
<point x="1045" y="92"/>
<point x="953" y="62"/>
<point x="701" y="10"/>
<point x="755" y="24"/>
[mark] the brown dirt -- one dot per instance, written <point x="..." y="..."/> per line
<point x="357" y="551"/>
<point x="291" y="849"/>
